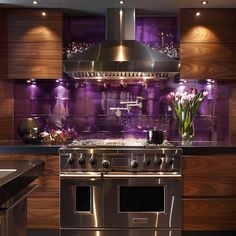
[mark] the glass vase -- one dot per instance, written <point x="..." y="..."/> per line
<point x="186" y="128"/>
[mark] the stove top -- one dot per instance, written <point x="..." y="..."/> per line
<point x="119" y="155"/>
<point x="121" y="143"/>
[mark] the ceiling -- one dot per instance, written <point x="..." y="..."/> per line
<point x="98" y="7"/>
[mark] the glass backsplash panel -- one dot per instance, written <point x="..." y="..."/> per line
<point x="119" y="108"/>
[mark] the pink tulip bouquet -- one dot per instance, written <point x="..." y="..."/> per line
<point x="185" y="106"/>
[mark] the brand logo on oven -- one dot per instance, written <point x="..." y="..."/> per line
<point x="140" y="220"/>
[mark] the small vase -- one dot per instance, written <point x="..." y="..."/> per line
<point x="186" y="130"/>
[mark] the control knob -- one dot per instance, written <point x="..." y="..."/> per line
<point x="71" y="160"/>
<point x="158" y="161"/>
<point x="82" y="160"/>
<point x="93" y="161"/>
<point x="106" y="164"/>
<point x="146" y="162"/>
<point x="169" y="161"/>
<point x="134" y="164"/>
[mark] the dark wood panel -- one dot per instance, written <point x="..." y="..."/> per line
<point x="28" y="25"/>
<point x="43" y="213"/>
<point x="33" y="60"/>
<point x="1" y="37"/>
<point x="213" y="25"/>
<point x="202" y="61"/>
<point x="43" y="203"/>
<point x="209" y="176"/>
<point x="209" y="214"/>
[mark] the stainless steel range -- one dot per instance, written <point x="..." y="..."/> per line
<point x="120" y="188"/>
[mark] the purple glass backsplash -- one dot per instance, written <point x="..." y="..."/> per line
<point x="99" y="109"/>
<point x="159" y="32"/>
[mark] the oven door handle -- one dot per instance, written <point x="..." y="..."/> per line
<point x="81" y="175"/>
<point x="120" y="176"/>
<point x="117" y="176"/>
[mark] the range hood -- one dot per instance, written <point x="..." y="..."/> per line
<point x="120" y="54"/>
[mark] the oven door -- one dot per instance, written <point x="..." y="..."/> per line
<point x="81" y="201"/>
<point x="133" y="200"/>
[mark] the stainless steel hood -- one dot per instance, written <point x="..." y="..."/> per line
<point x="120" y="54"/>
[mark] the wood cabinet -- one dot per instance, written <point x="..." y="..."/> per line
<point x="0" y="43"/>
<point x="208" y="44"/>
<point x="43" y="203"/>
<point x="209" y="192"/>
<point x="32" y="44"/>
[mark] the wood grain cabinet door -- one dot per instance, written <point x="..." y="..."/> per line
<point x="209" y="176"/>
<point x="207" y="44"/>
<point x="32" y="44"/>
<point x="209" y="192"/>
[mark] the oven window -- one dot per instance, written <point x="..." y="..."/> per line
<point x="83" y="198"/>
<point x="142" y="199"/>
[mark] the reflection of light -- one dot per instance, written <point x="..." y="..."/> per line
<point x="28" y="81"/>
<point x="120" y="53"/>
<point x="171" y="210"/>
<point x="204" y="2"/>
<point x="208" y="87"/>
<point x="198" y="14"/>
<point x="44" y="13"/>
<point x="181" y="88"/>
<point x="122" y="2"/>
<point x="35" y="2"/>
<point x="57" y="80"/>
<point x="95" y="211"/>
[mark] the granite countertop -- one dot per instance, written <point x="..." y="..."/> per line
<point x="16" y="175"/>
<point x="196" y="148"/>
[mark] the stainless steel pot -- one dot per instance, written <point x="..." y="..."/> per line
<point x="155" y="136"/>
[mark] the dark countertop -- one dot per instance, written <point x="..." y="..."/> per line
<point x="17" y="175"/>
<point x="207" y="148"/>
<point x="10" y="147"/>
<point x="196" y="148"/>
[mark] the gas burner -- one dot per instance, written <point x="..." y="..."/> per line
<point x="109" y="143"/>
<point x="125" y="143"/>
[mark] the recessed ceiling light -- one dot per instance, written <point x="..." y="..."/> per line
<point x="44" y="13"/>
<point x="204" y="2"/>
<point x="35" y="2"/>
<point x="122" y="2"/>
<point x="198" y="13"/>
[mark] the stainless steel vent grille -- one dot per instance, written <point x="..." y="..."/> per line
<point x="114" y="75"/>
